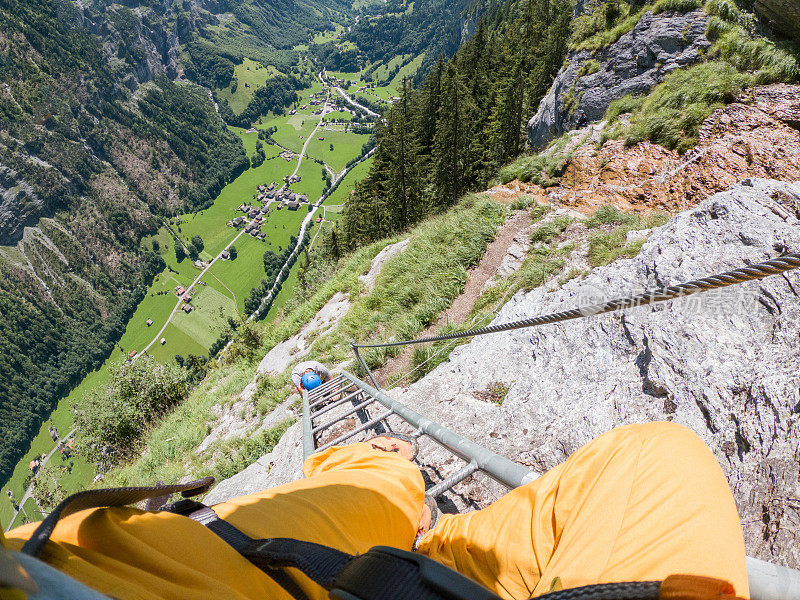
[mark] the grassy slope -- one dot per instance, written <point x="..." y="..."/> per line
<point x="381" y="72"/>
<point x="190" y="334"/>
<point x="250" y="73"/>
<point x="345" y="147"/>
<point x="407" y="70"/>
<point x="348" y="183"/>
<point x="411" y="291"/>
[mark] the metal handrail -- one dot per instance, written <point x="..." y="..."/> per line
<point x="767" y="581"/>
<point x="497" y="467"/>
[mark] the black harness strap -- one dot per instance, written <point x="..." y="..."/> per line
<point x="108" y="497"/>
<point x="235" y="538"/>
<point x="319" y="563"/>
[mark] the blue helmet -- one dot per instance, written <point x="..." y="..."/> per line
<point x="311" y="380"/>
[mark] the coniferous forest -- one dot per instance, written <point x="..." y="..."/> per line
<point x="450" y="135"/>
<point x="95" y="169"/>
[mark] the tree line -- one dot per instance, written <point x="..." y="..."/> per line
<point x="432" y="27"/>
<point x="450" y="135"/>
<point x="277" y="94"/>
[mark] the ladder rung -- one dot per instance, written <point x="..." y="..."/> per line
<point x="455" y="478"/>
<point x="335" y="404"/>
<point x="326" y="386"/>
<point x="349" y="434"/>
<point x="344" y="416"/>
<point x="326" y="397"/>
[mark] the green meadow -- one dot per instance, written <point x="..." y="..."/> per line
<point x="249" y="76"/>
<point x="346" y="145"/>
<point x="407" y="70"/>
<point x="358" y="173"/>
<point x="338" y="115"/>
<point x="227" y="283"/>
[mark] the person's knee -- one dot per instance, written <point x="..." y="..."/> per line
<point x="669" y="438"/>
<point x="665" y="432"/>
<point x="654" y="434"/>
<point x="674" y="449"/>
<point x="662" y="442"/>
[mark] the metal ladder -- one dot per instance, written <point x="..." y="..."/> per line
<point x="345" y="398"/>
<point x="328" y="408"/>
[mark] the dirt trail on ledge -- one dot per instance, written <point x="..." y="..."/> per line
<point x="462" y="305"/>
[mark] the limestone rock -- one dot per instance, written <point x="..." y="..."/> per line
<point x="636" y="62"/>
<point x="376" y="265"/>
<point x="725" y="364"/>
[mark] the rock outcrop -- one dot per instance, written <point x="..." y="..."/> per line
<point x="636" y="62"/>
<point x="148" y="38"/>
<point x="20" y="205"/>
<point x="758" y="136"/>
<point x="725" y="364"/>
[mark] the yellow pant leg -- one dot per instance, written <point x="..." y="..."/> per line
<point x="354" y="497"/>
<point x="638" y="503"/>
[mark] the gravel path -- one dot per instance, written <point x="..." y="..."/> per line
<point x="460" y="308"/>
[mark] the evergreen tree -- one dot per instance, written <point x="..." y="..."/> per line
<point x="451" y="143"/>
<point x="466" y="120"/>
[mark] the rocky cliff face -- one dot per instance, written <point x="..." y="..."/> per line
<point x="636" y="62"/>
<point x="758" y="136"/>
<point x="20" y="205"/>
<point x="142" y="38"/>
<point x="725" y="364"/>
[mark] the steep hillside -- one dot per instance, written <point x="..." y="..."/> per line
<point x="428" y="29"/>
<point x="708" y="362"/>
<point x="229" y="420"/>
<point x="724" y="364"/>
<point x="101" y="137"/>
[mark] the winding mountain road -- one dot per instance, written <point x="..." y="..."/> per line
<point x="345" y="95"/>
<point x="302" y="154"/>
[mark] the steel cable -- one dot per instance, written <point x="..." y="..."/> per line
<point x="773" y="266"/>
